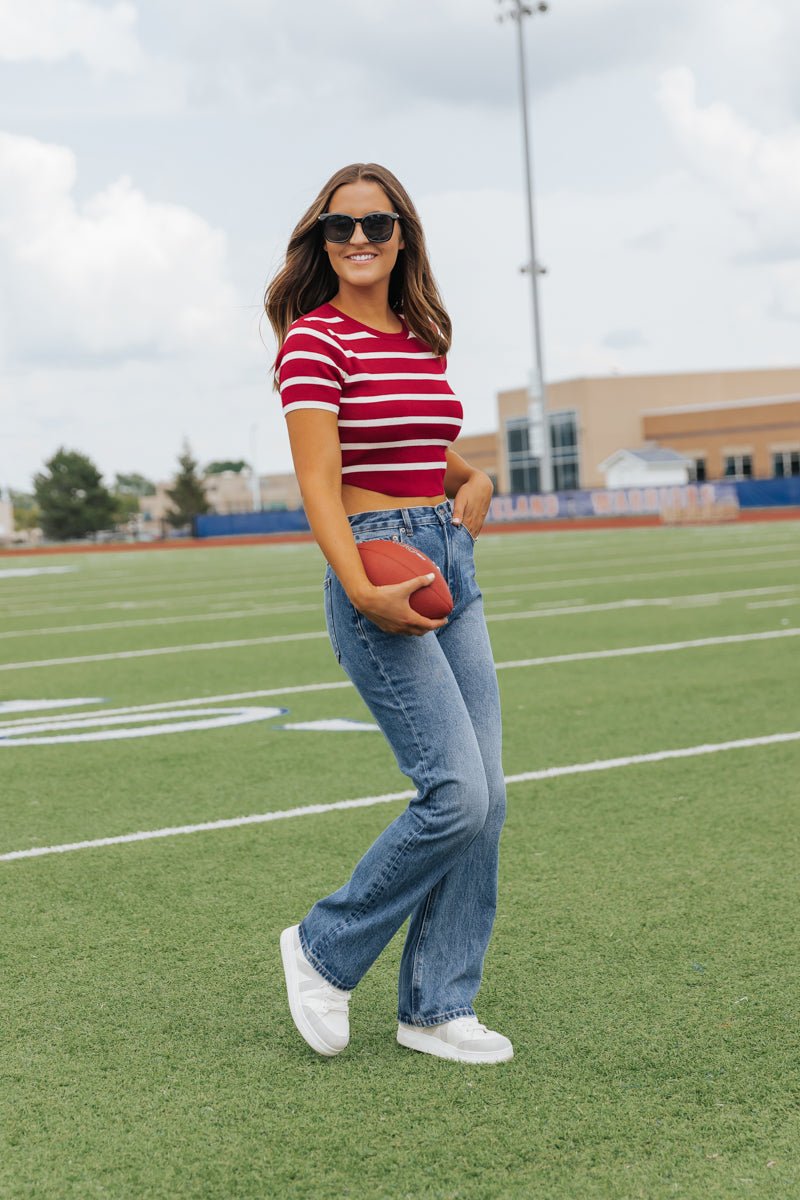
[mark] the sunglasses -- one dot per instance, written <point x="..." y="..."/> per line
<point x="376" y="226"/>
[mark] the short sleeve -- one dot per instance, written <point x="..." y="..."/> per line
<point x="311" y="369"/>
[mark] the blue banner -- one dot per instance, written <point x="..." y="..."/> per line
<point x="614" y="502"/>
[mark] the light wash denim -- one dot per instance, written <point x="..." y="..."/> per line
<point x="436" y="699"/>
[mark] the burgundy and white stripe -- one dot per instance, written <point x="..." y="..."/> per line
<point x="396" y="411"/>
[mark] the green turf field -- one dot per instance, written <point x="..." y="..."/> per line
<point x="645" y="956"/>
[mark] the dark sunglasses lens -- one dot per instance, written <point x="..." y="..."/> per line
<point x="338" y="229"/>
<point x="378" y="227"/>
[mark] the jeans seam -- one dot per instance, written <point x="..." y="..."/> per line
<point x="422" y="931"/>
<point x="399" y="700"/>
<point x="327" y="598"/>
<point x="384" y="879"/>
<point x="374" y="893"/>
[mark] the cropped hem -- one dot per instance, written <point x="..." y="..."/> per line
<point x="440" y="1019"/>
<point x="319" y="966"/>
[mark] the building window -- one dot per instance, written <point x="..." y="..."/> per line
<point x="697" y="471"/>
<point x="738" y="466"/>
<point x="786" y="463"/>
<point x="523" y="467"/>
<point x="564" y="450"/>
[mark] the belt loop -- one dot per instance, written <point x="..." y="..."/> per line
<point x="407" y="520"/>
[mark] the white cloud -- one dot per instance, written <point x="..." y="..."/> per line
<point x="116" y="277"/>
<point x="53" y="30"/>
<point x="754" y="173"/>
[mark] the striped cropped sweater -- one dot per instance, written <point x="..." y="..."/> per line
<point x="397" y="413"/>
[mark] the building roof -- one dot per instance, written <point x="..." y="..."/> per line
<point x="656" y="457"/>
<point x="751" y="402"/>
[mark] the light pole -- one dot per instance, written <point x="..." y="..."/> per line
<point x="538" y="431"/>
<point x="255" y="483"/>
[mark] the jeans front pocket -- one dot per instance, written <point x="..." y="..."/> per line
<point x="328" y="606"/>
<point x="466" y="563"/>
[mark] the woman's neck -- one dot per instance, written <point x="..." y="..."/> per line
<point x="369" y="309"/>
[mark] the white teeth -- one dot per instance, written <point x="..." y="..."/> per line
<point x="361" y="257"/>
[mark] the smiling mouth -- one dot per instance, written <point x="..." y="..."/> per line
<point x="360" y="257"/>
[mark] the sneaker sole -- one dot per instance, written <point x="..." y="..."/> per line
<point x="415" y="1039"/>
<point x="305" y="1030"/>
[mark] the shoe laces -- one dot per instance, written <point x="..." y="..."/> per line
<point x="470" y="1025"/>
<point x="335" y="1001"/>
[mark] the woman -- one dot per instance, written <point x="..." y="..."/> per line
<point x="363" y="337"/>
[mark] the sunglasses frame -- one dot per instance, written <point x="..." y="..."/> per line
<point x="358" y="221"/>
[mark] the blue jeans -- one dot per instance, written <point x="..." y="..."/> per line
<point x="436" y="699"/>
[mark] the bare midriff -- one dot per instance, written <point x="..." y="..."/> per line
<point x="357" y="500"/>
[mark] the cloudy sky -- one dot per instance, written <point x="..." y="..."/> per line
<point x="155" y="155"/>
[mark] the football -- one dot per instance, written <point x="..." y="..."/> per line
<point x="395" y="562"/>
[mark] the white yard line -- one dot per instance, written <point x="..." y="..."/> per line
<point x="775" y="603"/>
<point x="528" y="614"/>
<point x="20" y="572"/>
<point x="658" y="648"/>
<point x="694" y="598"/>
<point x="157" y="650"/>
<point x="275" y="593"/>
<point x="648" y="576"/>
<point x="548" y="609"/>
<point x="515" y="664"/>
<point x="243" y="613"/>
<point x="608" y="764"/>
<point x="699" y="555"/>
<point x="584" y="655"/>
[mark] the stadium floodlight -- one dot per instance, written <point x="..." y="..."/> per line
<point x="255" y="482"/>
<point x="538" y="431"/>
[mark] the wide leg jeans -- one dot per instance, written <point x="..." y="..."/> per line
<point x="436" y="700"/>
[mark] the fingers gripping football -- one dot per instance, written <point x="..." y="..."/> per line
<point x="410" y="595"/>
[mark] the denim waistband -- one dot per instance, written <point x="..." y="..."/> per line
<point x="412" y="518"/>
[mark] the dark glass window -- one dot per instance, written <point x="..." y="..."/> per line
<point x="525" y="478"/>
<point x="739" y="466"/>
<point x="523" y="467"/>
<point x="564" y="450"/>
<point x="786" y="462"/>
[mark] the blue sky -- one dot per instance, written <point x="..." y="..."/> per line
<point x="155" y="156"/>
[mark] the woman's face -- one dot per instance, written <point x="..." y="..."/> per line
<point x="359" y="262"/>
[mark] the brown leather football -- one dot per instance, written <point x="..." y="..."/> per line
<point x="395" y="562"/>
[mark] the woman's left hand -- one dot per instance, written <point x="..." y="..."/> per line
<point x="471" y="502"/>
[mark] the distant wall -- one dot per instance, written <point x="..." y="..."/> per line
<point x="215" y="525"/>
<point x="768" y="493"/>
<point x="756" y="493"/>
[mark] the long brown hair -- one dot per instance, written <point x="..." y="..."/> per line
<point x="307" y="279"/>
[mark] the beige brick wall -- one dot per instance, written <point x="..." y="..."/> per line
<point x="610" y="410"/>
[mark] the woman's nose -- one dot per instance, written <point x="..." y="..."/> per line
<point x="358" y="236"/>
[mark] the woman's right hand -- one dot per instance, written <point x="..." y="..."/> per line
<point x="388" y="608"/>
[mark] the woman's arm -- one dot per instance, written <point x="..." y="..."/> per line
<point x="471" y="490"/>
<point x="317" y="456"/>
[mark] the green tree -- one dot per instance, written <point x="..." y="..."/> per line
<point x="26" y="510"/>
<point x="216" y="468"/>
<point x="72" y="498"/>
<point x="187" y="495"/>
<point x="133" y="485"/>
<point x="126" y="492"/>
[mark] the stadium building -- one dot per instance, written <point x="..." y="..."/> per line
<point x="725" y="424"/>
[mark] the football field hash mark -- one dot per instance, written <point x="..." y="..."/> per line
<point x="608" y="764"/>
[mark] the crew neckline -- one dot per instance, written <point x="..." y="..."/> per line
<point x="402" y="333"/>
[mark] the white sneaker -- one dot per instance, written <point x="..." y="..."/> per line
<point x="464" y="1040"/>
<point x="319" y="1010"/>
